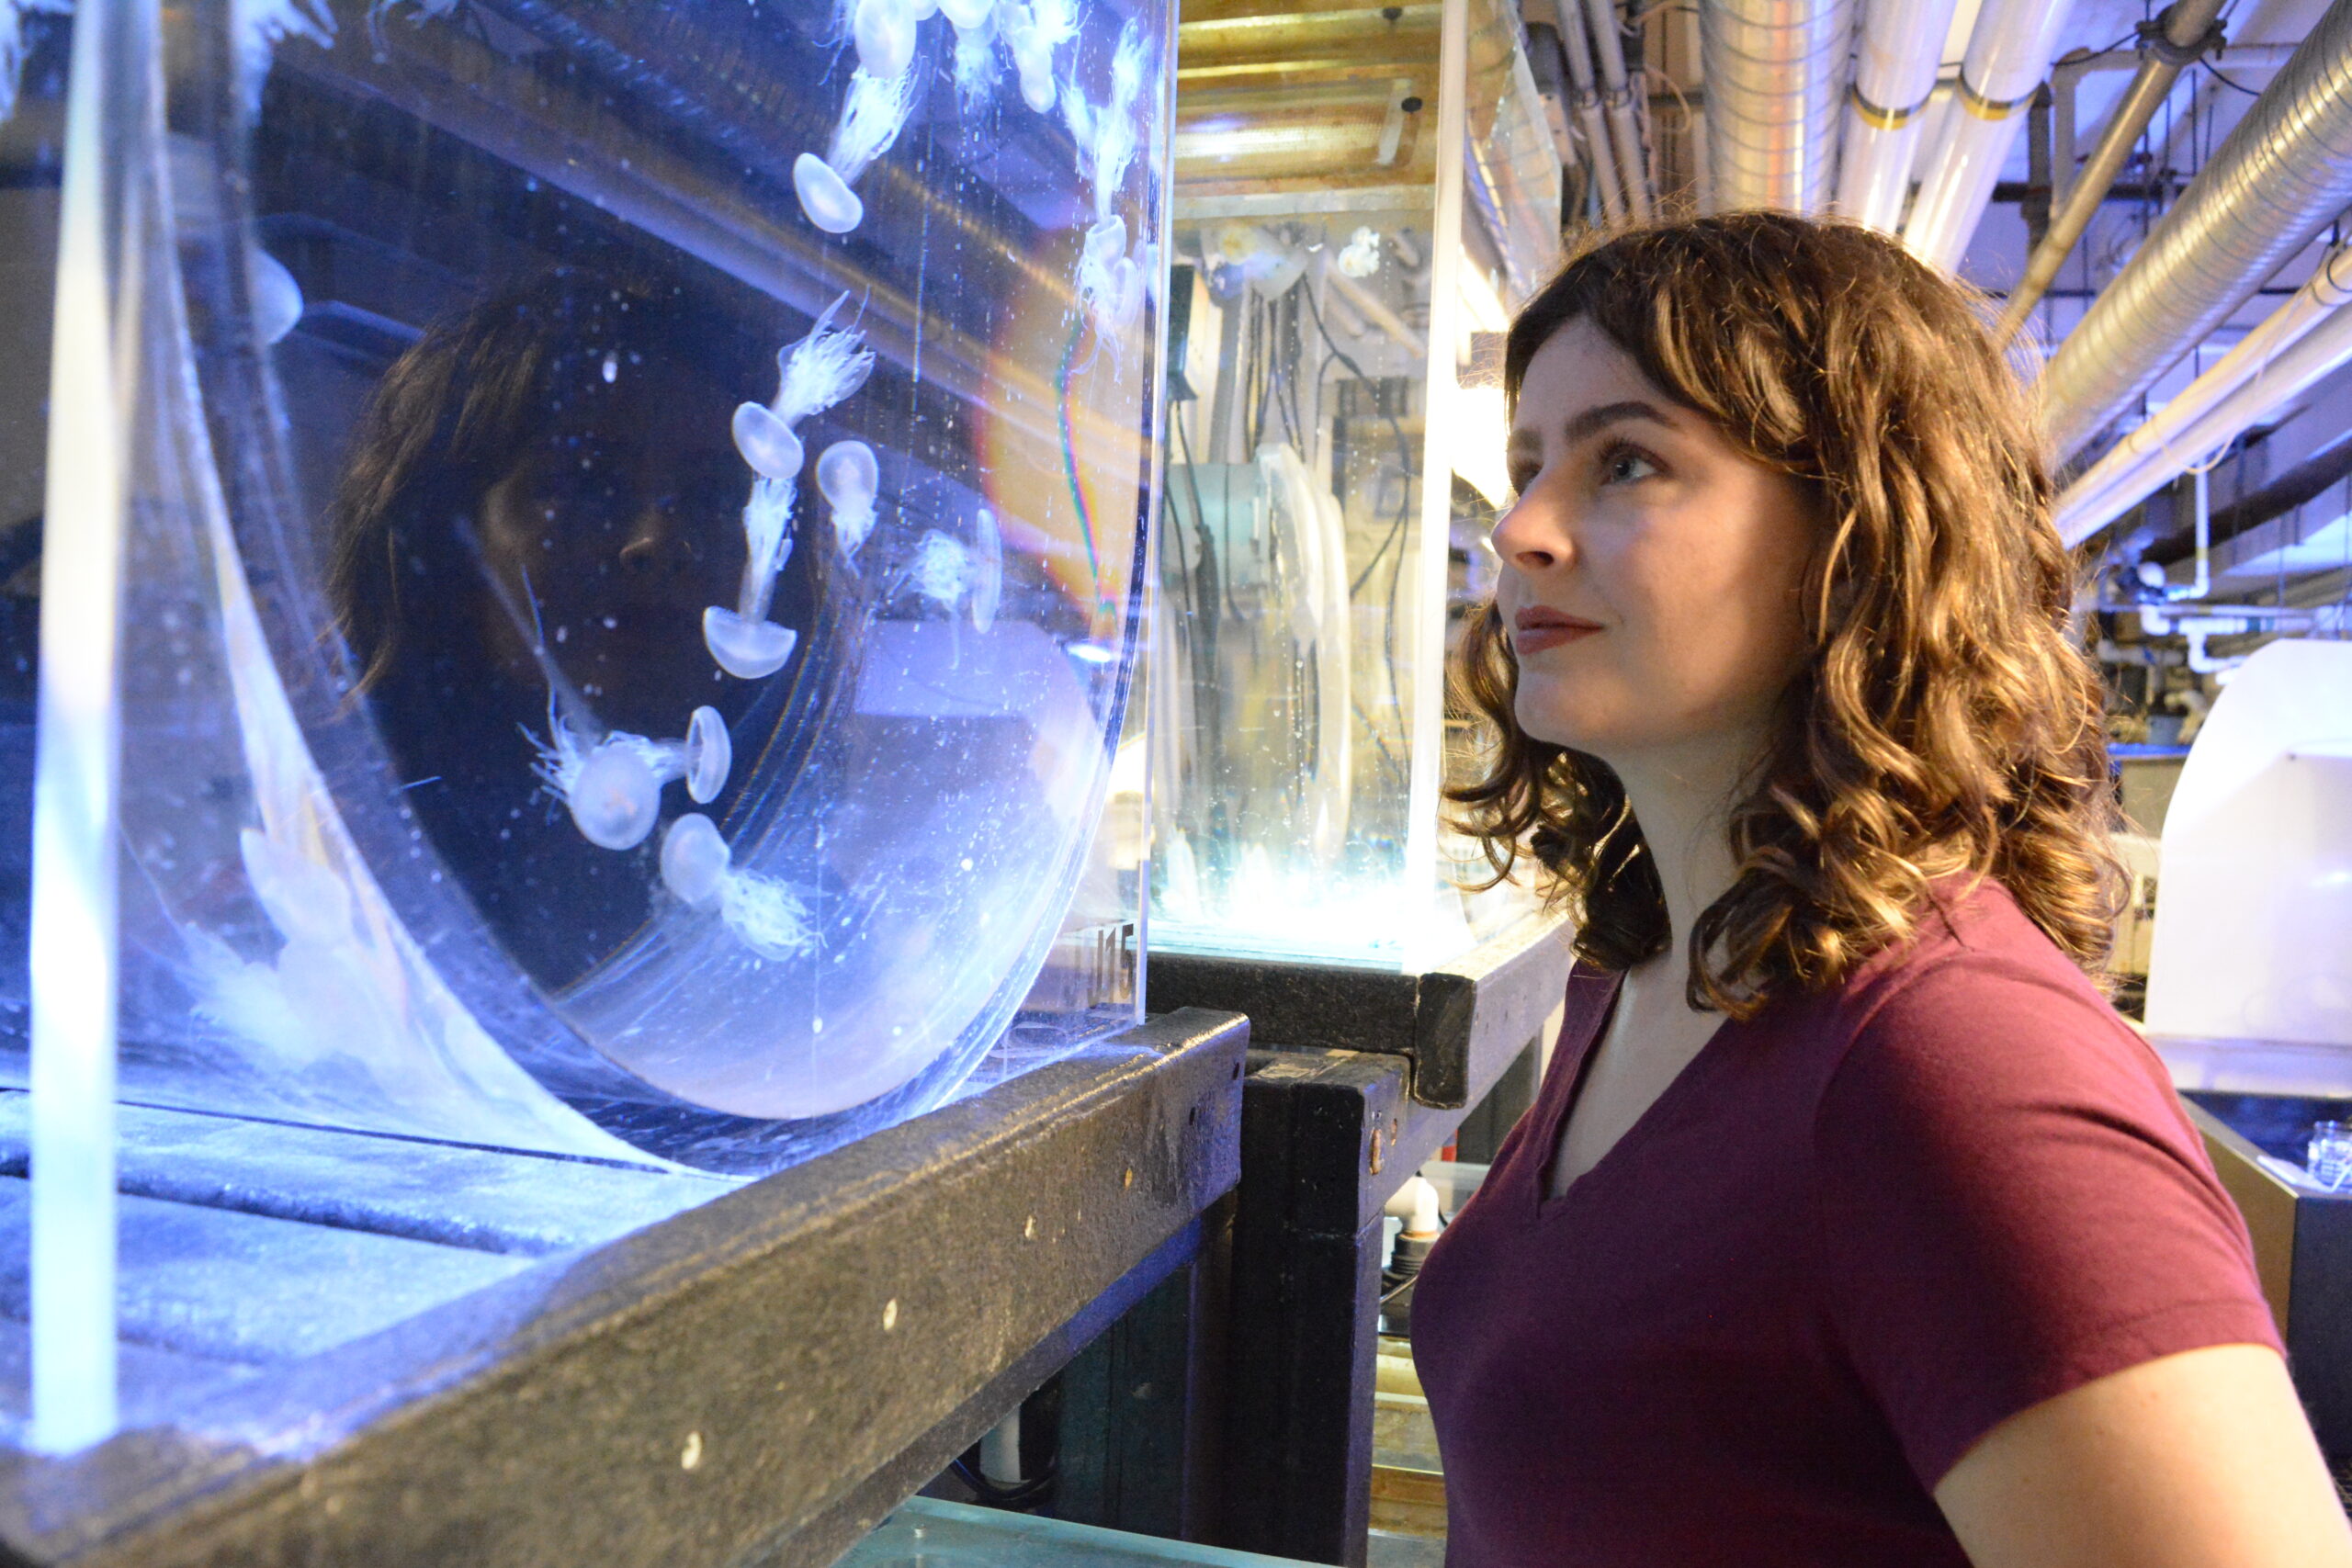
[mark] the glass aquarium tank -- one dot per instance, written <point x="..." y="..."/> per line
<point x="610" y="538"/>
<point x="1358" y="207"/>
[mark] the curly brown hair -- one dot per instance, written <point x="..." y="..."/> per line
<point x="1946" y="720"/>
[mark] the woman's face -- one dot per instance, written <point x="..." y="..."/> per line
<point x="1652" y="572"/>
<point x="619" y="521"/>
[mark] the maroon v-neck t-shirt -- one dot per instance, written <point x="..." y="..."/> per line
<point x="1857" y="1232"/>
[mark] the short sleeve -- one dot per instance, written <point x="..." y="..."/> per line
<point x="2011" y="1205"/>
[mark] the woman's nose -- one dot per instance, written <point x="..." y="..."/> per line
<point x="1533" y="535"/>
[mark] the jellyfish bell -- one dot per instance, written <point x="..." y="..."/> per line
<point x="1038" y="88"/>
<point x="849" y="474"/>
<point x="709" y="755"/>
<point x="1124" y="295"/>
<point x="768" y="443"/>
<point x="1107" y="241"/>
<point x="694" y="861"/>
<point x="616" y="798"/>
<point x="969" y="15"/>
<point x="278" y="299"/>
<point x="744" y="648"/>
<point x="885" y="35"/>
<point x="988" y="574"/>
<point x="922" y="10"/>
<point x="825" y="196"/>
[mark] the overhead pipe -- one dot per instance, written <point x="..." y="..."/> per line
<point x="2304" y="340"/>
<point x="1895" y="60"/>
<point x="2008" y="53"/>
<point x="2264" y="195"/>
<point x="2187" y="30"/>
<point x="1775" y="71"/>
<point x="1624" y="130"/>
<point x="1590" y="119"/>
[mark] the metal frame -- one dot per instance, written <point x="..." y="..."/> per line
<point x="758" y="1379"/>
<point x="1459" y="1025"/>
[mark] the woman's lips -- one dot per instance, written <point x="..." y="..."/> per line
<point x="1537" y="628"/>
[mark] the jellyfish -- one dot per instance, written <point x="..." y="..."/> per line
<point x="694" y="861"/>
<point x="616" y="794"/>
<point x="709" y="755"/>
<point x="1033" y="33"/>
<point x="278" y="299"/>
<point x="1107" y="137"/>
<point x="884" y="31"/>
<point x="849" y="477"/>
<point x="975" y="61"/>
<point x="942" y="568"/>
<point x="1360" y="256"/>
<point x="766" y="914"/>
<point x="875" y="112"/>
<point x="261" y="25"/>
<point x="825" y="196"/>
<point x="988" y="576"/>
<point x="767" y="443"/>
<point x="745" y="646"/>
<point x="969" y="15"/>
<point x="821" y="368"/>
<point x="812" y="374"/>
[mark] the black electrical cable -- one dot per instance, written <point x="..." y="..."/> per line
<point x="2216" y="72"/>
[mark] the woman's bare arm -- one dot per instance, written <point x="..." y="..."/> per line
<point x="2201" y="1460"/>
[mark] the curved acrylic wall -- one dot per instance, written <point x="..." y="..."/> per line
<point x="634" y="560"/>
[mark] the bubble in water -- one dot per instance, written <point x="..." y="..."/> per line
<point x="694" y="861"/>
<point x="615" y="797"/>
<point x="710" y="755"/>
<point x="825" y="196"/>
<point x="885" y="32"/>
<point x="768" y="443"/>
<point x="746" y="649"/>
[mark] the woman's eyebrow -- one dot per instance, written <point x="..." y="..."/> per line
<point x="1592" y="421"/>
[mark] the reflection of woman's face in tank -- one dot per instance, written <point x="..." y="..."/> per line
<point x="619" y="521"/>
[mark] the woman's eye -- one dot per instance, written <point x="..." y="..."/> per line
<point x="1623" y="464"/>
<point x="1520" y="478"/>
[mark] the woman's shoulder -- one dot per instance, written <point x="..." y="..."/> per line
<point x="1979" y="1020"/>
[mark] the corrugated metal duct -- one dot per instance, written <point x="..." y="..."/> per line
<point x="2283" y="172"/>
<point x="1775" y="71"/>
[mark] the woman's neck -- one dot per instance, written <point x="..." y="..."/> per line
<point x="1683" y="799"/>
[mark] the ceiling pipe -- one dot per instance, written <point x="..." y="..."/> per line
<point x="1895" y="73"/>
<point x="2304" y="340"/>
<point x="1624" y="130"/>
<point x="2266" y="192"/>
<point x="1775" y="71"/>
<point x="2187" y="30"/>
<point x="2008" y="53"/>
<point x="1590" y="119"/>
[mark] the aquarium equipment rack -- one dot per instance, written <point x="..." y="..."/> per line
<point x="764" y="1376"/>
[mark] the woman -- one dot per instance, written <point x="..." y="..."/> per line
<point x="1851" y="1227"/>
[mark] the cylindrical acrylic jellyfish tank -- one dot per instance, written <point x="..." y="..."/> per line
<point x="633" y="557"/>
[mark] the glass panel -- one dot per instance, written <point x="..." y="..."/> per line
<point x="1300" y="731"/>
<point x="633" y="576"/>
